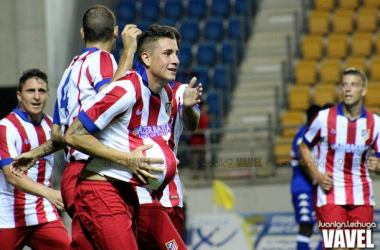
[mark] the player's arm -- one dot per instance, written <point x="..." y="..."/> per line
<point x="372" y="163"/>
<point x="109" y="103"/>
<point x="307" y="163"/>
<point x="27" y="160"/>
<point x="191" y="97"/>
<point x="78" y="137"/>
<point x="311" y="137"/>
<point x="9" y="139"/>
<point x="296" y="156"/>
<point x="324" y="180"/>
<point x="129" y="38"/>
<point x="27" y="185"/>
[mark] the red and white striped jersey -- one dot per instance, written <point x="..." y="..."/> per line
<point x="344" y="147"/>
<point x="172" y="195"/>
<point x="139" y="117"/>
<point x="19" y="135"/>
<point x="86" y="74"/>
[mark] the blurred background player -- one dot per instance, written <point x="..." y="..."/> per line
<point x="302" y="187"/>
<point x="347" y="134"/>
<point x="28" y="215"/>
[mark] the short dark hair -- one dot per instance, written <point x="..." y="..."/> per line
<point x="354" y="71"/>
<point x="98" y="24"/>
<point x="153" y="34"/>
<point x="32" y="73"/>
<point x="311" y="112"/>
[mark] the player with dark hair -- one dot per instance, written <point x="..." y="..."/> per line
<point x="302" y="187"/>
<point x="140" y="107"/>
<point x="171" y="198"/>
<point x="349" y="138"/>
<point x="86" y="75"/>
<point x="28" y="204"/>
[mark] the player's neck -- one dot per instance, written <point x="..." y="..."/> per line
<point x="33" y="118"/>
<point x="352" y="112"/>
<point x="155" y="85"/>
<point x="107" y="46"/>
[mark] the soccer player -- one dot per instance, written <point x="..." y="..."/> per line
<point x="140" y="108"/>
<point x="348" y="135"/>
<point x="167" y="214"/>
<point x="87" y="74"/>
<point x="28" y="204"/>
<point x="158" y="235"/>
<point x="302" y="187"/>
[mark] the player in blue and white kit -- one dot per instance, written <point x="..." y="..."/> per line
<point x="302" y="187"/>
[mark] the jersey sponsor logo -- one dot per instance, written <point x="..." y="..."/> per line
<point x="349" y="148"/>
<point x="152" y="131"/>
<point x="168" y="108"/>
<point x="171" y="245"/>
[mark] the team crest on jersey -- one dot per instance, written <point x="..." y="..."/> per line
<point x="168" y="108"/>
<point x="171" y="245"/>
<point x="366" y="133"/>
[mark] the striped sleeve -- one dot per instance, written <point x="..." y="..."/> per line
<point x="313" y="133"/>
<point x="8" y="144"/>
<point x="111" y="102"/>
<point x="101" y="72"/>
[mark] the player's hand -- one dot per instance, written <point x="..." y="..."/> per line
<point x="325" y="181"/>
<point x="23" y="163"/>
<point x="142" y="166"/>
<point x="372" y="161"/>
<point x="55" y="198"/>
<point x="191" y="95"/>
<point x="129" y="36"/>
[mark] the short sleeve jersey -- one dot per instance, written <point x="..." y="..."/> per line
<point x="19" y="135"/>
<point x="139" y="117"/>
<point x="81" y="81"/>
<point x="344" y="147"/>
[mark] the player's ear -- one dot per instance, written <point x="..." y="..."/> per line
<point x="116" y="32"/>
<point x="145" y="58"/>
<point x="364" y="91"/>
<point x="82" y="33"/>
<point x="19" y="96"/>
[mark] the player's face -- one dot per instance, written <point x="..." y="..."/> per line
<point x="352" y="88"/>
<point x="33" y="97"/>
<point x="164" y="60"/>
